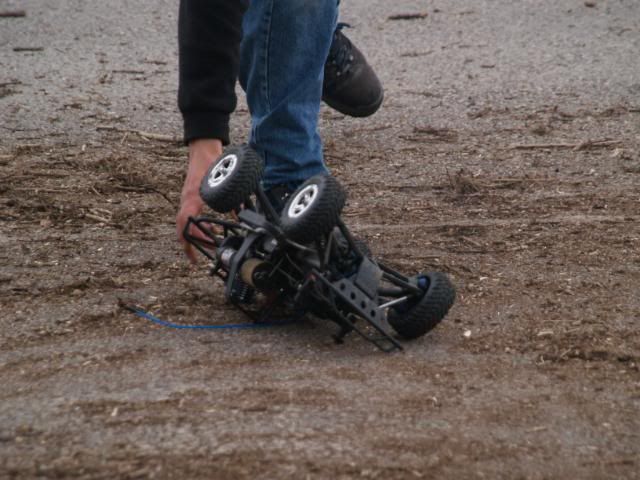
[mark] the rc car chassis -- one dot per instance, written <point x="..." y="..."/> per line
<point x="304" y="260"/>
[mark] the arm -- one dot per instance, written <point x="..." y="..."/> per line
<point x="209" y="34"/>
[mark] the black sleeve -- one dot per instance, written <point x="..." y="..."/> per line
<point x="209" y="34"/>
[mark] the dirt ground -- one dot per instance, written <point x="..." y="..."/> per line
<point x="505" y="154"/>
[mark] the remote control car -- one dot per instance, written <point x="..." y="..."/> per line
<point x="304" y="259"/>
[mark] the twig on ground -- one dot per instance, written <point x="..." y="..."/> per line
<point x="424" y="94"/>
<point x="416" y="54"/>
<point x="29" y="176"/>
<point x="375" y="128"/>
<point x="575" y="146"/>
<point x="420" y="256"/>
<point x="472" y="242"/>
<point x="28" y="49"/>
<point x="13" y="14"/>
<point x="506" y="182"/>
<point x="494" y="222"/>
<point x="437" y="132"/>
<point x="408" y="16"/>
<point x="97" y="218"/>
<point x="146" y="135"/>
<point x="94" y="190"/>
<point x="537" y="429"/>
<point x="145" y="189"/>
<point x="39" y="190"/>
<point x="101" y="211"/>
<point x="157" y="136"/>
<point x="96" y="214"/>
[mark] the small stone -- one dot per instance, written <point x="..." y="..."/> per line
<point x="467" y="334"/>
<point x="545" y="333"/>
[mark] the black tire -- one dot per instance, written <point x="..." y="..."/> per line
<point x="415" y="320"/>
<point x="232" y="178"/>
<point x="313" y="209"/>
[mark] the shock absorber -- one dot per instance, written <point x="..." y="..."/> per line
<point x="239" y="290"/>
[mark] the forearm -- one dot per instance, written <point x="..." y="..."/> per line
<point x="209" y="34"/>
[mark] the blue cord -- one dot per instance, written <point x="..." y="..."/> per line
<point x="141" y="313"/>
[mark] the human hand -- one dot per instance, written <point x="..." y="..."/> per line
<point x="202" y="153"/>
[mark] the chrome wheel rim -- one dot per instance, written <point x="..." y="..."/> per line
<point x="222" y="170"/>
<point x="303" y="201"/>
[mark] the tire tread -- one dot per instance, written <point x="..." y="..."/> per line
<point x="429" y="311"/>
<point x="324" y="215"/>
<point x="237" y="187"/>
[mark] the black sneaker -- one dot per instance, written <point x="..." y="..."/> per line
<point x="350" y="84"/>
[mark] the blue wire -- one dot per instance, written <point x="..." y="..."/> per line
<point x="154" y="319"/>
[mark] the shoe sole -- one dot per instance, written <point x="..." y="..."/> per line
<point x="359" y="112"/>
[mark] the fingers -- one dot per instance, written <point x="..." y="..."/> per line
<point x="202" y="153"/>
<point x="194" y="232"/>
<point x="190" y="252"/>
<point x="204" y="231"/>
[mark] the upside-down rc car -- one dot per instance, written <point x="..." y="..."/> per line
<point x="305" y="260"/>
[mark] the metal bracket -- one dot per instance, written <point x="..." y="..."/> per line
<point x="365" y="307"/>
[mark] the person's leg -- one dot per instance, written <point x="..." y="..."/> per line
<point x="283" y="52"/>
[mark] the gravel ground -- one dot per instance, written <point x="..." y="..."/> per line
<point x="505" y="154"/>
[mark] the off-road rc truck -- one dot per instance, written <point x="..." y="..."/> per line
<point x="303" y="260"/>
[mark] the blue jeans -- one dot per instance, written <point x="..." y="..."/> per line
<point x="284" y="47"/>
